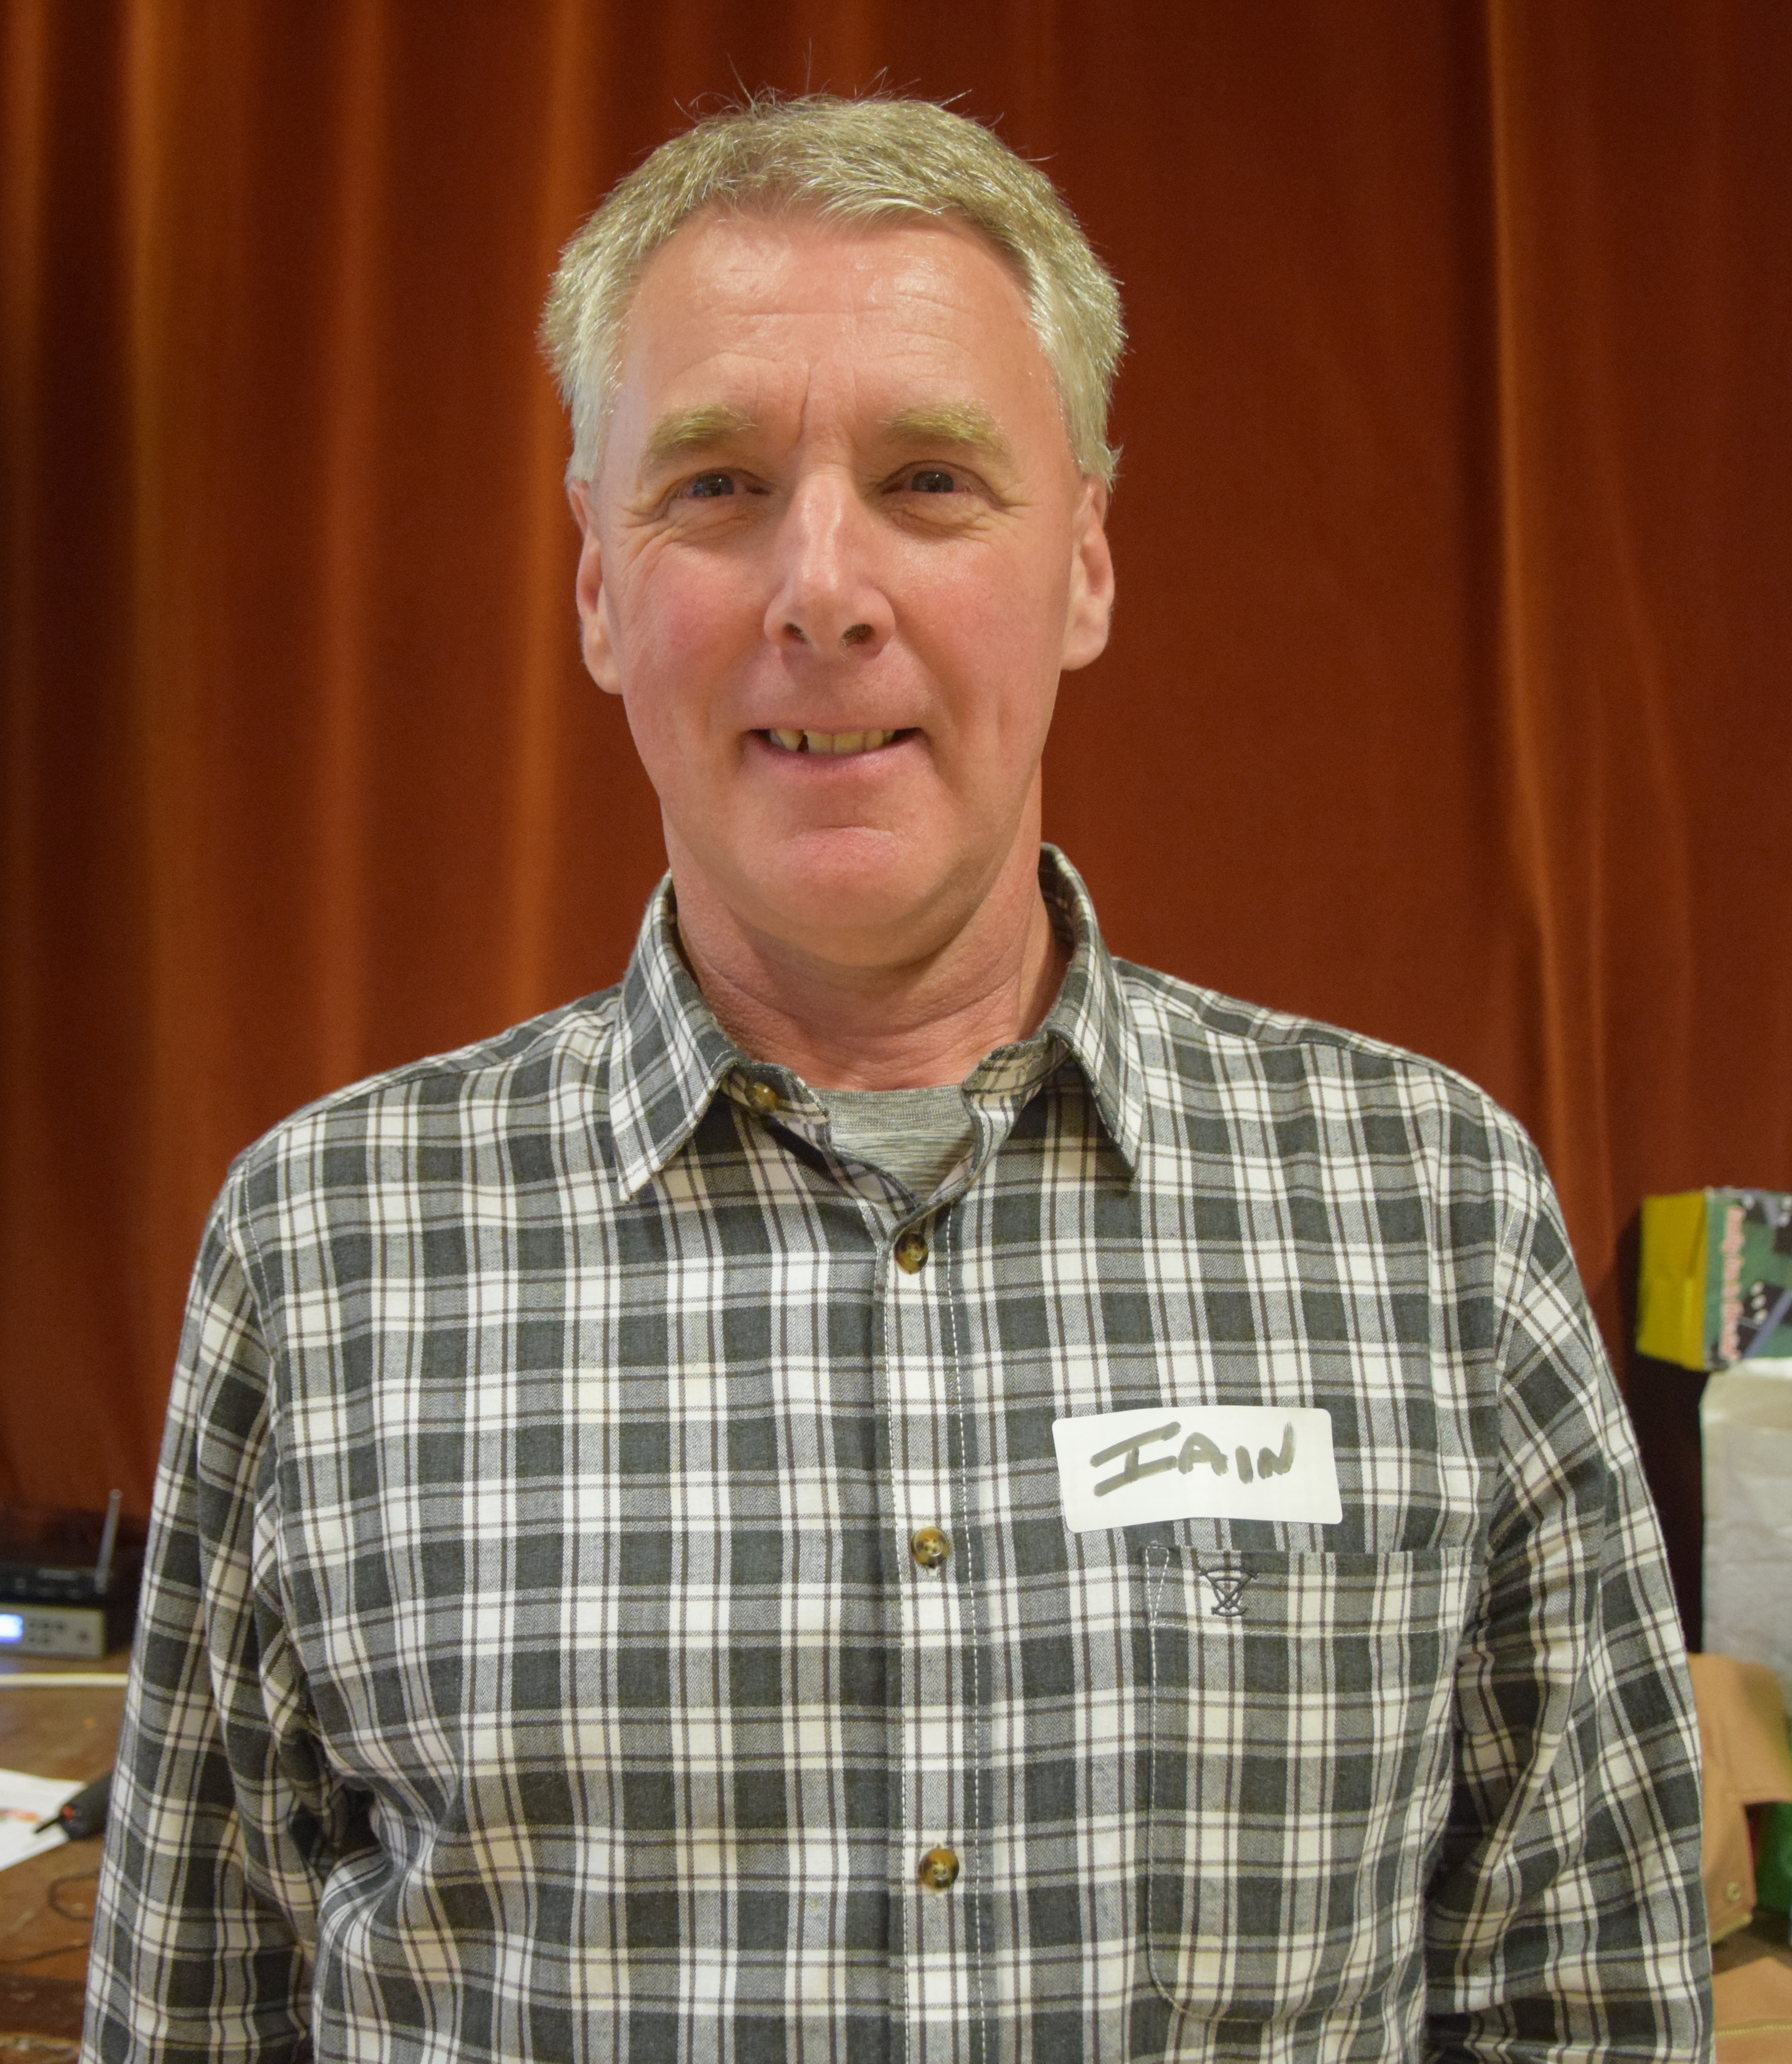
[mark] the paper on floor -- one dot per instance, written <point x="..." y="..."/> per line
<point x="25" y="1801"/>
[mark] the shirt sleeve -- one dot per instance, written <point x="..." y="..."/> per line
<point x="224" y="1819"/>
<point x="1566" y="1918"/>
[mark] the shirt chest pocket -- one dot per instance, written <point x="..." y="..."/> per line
<point x="1298" y="1771"/>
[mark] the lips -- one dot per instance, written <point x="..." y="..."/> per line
<point x="838" y="742"/>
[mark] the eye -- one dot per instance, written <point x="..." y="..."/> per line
<point x="707" y="485"/>
<point x="932" y="480"/>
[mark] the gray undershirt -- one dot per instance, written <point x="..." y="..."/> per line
<point x="919" y="1136"/>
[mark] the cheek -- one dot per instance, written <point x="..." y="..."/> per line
<point x="680" y="622"/>
<point x="685" y="631"/>
<point x="997" y="633"/>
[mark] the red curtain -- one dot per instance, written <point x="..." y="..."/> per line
<point x="1446" y="698"/>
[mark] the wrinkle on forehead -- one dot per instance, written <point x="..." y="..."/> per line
<point x="756" y="260"/>
<point x="736" y="305"/>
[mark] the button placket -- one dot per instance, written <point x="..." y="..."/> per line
<point x="930" y="1733"/>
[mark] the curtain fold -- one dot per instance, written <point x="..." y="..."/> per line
<point x="1446" y="699"/>
<point x="1635" y="310"/>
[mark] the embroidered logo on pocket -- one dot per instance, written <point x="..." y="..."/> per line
<point x="1227" y="1587"/>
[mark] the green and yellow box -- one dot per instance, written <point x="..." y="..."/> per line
<point x="1716" y="1280"/>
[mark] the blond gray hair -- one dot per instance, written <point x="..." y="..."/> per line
<point x="848" y="161"/>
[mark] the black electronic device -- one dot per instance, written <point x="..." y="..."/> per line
<point x="68" y="1578"/>
<point x="84" y="1814"/>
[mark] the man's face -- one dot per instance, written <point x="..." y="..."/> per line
<point x="836" y="556"/>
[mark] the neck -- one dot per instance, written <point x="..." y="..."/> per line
<point x="910" y="1021"/>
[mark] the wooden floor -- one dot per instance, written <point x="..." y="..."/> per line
<point x="51" y="1731"/>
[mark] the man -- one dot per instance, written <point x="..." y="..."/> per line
<point x="894" y="1488"/>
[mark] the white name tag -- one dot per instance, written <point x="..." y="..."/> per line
<point x="1197" y="1461"/>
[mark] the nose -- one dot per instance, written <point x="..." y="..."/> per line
<point x="828" y="598"/>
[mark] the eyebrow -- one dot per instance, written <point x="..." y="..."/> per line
<point x="708" y="424"/>
<point x="683" y="431"/>
<point x="967" y="424"/>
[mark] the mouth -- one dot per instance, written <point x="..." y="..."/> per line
<point x="839" y="744"/>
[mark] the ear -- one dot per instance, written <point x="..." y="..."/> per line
<point x="1091" y="603"/>
<point x="594" y="640"/>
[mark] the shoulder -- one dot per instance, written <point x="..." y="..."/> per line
<point x="542" y="1075"/>
<point x="1204" y="1050"/>
<point x="1354" y="1139"/>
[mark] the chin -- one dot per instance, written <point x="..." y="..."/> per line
<point x="848" y="894"/>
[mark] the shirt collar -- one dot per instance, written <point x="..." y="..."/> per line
<point x="671" y="1056"/>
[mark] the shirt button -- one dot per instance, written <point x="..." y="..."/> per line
<point x="911" y="1253"/>
<point x="1732" y="1893"/>
<point x="763" y="1097"/>
<point x="929" y="1547"/>
<point x="940" y="1870"/>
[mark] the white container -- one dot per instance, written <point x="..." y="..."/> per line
<point x="1745" y="1421"/>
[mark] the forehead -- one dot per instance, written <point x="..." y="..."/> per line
<point x="748" y="308"/>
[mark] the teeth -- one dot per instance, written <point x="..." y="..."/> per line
<point x="834" y="742"/>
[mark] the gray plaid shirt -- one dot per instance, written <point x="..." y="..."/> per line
<point x="534" y="1663"/>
